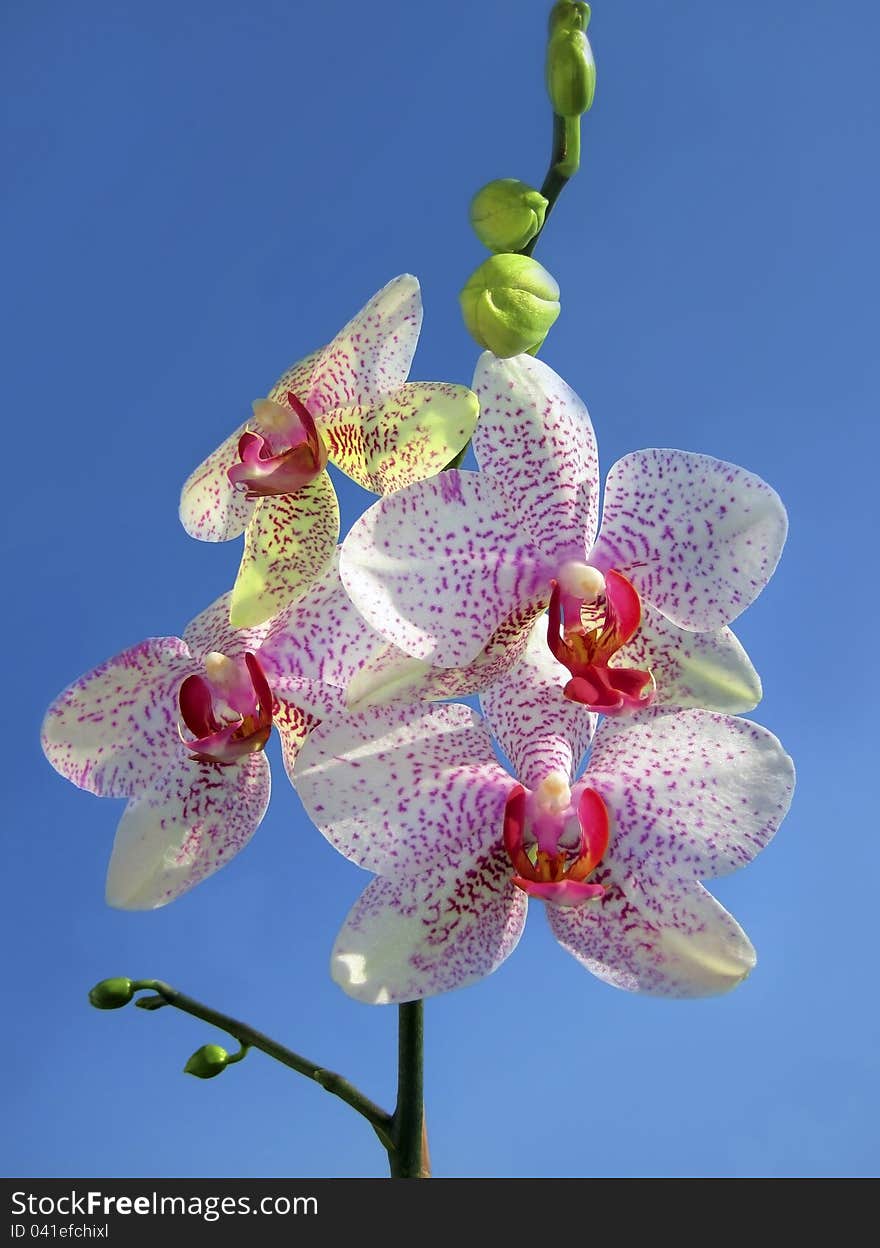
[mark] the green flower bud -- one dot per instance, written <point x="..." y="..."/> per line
<point x="506" y="214"/>
<point x="208" y="1061"/>
<point x="111" y="994"/>
<point x="509" y="304"/>
<point x="571" y="70"/>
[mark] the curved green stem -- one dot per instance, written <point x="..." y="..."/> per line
<point x="381" y="1121"/>
<point x="565" y="160"/>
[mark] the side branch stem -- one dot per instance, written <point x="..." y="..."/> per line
<point x="381" y="1121"/>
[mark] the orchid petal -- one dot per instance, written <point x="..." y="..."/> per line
<point x="196" y="818"/>
<point x="679" y="944"/>
<point x="294" y="722"/>
<point x="372" y="354"/>
<point x="389" y="674"/>
<point x="709" y="670"/>
<point x="536" y="439"/>
<point x="537" y="727"/>
<point x="693" y="795"/>
<point x="115" y="729"/>
<point x="412" y="938"/>
<point x="319" y="637"/>
<point x="289" y="541"/>
<point x="296" y="380"/>
<point x="438" y="566"/>
<point x="401" y="790"/>
<point x="211" y="631"/>
<point x="698" y="538"/>
<point x="403" y="437"/>
<point x="211" y="508"/>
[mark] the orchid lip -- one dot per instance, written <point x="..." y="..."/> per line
<point x="585" y="644"/>
<point x="535" y="839"/>
<point x="229" y="710"/>
<point x="284" y="462"/>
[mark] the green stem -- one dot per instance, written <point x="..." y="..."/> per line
<point x="564" y="164"/>
<point x="409" y="1159"/>
<point x="381" y="1121"/>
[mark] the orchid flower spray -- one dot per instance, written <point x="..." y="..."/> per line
<point x="607" y="776"/>
<point x="349" y="404"/>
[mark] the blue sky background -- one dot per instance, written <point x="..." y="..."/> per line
<point x="198" y="194"/>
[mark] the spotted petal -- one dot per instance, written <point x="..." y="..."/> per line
<point x="400" y="790"/>
<point x="320" y="637"/>
<point x="537" y="727"/>
<point x="699" y="538"/>
<point x="679" y="943"/>
<point x="115" y="729"/>
<point x="536" y="439"/>
<point x="211" y="630"/>
<point x="289" y="542"/>
<point x="389" y="675"/>
<point x="438" y="566"/>
<point x="192" y="822"/>
<point x="709" y="670"/>
<point x="406" y="436"/>
<point x="411" y="938"/>
<point x="211" y="508"/>
<point x="693" y="795"/>
<point x="372" y="355"/>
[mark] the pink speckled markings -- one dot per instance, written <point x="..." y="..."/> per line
<point x="667" y="800"/>
<point x="640" y="611"/>
<point x="349" y="403"/>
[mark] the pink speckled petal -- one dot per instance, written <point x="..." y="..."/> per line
<point x="289" y="542"/>
<point x="699" y="538"/>
<point x="389" y="675"/>
<point x="709" y="670"/>
<point x="184" y="829"/>
<point x="536" y="439"/>
<point x="404" y="437"/>
<point x="372" y="354"/>
<point x="692" y="795"/>
<point x="320" y="636"/>
<point x="211" y="631"/>
<point x="115" y="729"/>
<point x="294" y="722"/>
<point x="438" y="566"/>
<point x="211" y="508"/>
<point x="537" y="727"/>
<point x="413" y="938"/>
<point x="296" y="380"/>
<point x="680" y="943"/>
<point x="400" y="790"/>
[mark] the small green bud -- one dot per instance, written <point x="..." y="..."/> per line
<point x="208" y="1061"/>
<point x="111" y="994"/>
<point x="509" y="304"/>
<point x="506" y="214"/>
<point x="571" y="70"/>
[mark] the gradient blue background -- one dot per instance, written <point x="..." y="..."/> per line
<point x="198" y="194"/>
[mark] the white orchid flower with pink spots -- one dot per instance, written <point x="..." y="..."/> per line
<point x="417" y="795"/>
<point x="639" y="608"/>
<point x="177" y="726"/>
<point x="349" y="404"/>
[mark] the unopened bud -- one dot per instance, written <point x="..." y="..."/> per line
<point x="208" y="1061"/>
<point x="509" y="304"/>
<point x="571" y="70"/>
<point x="111" y="994"/>
<point x="506" y="214"/>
